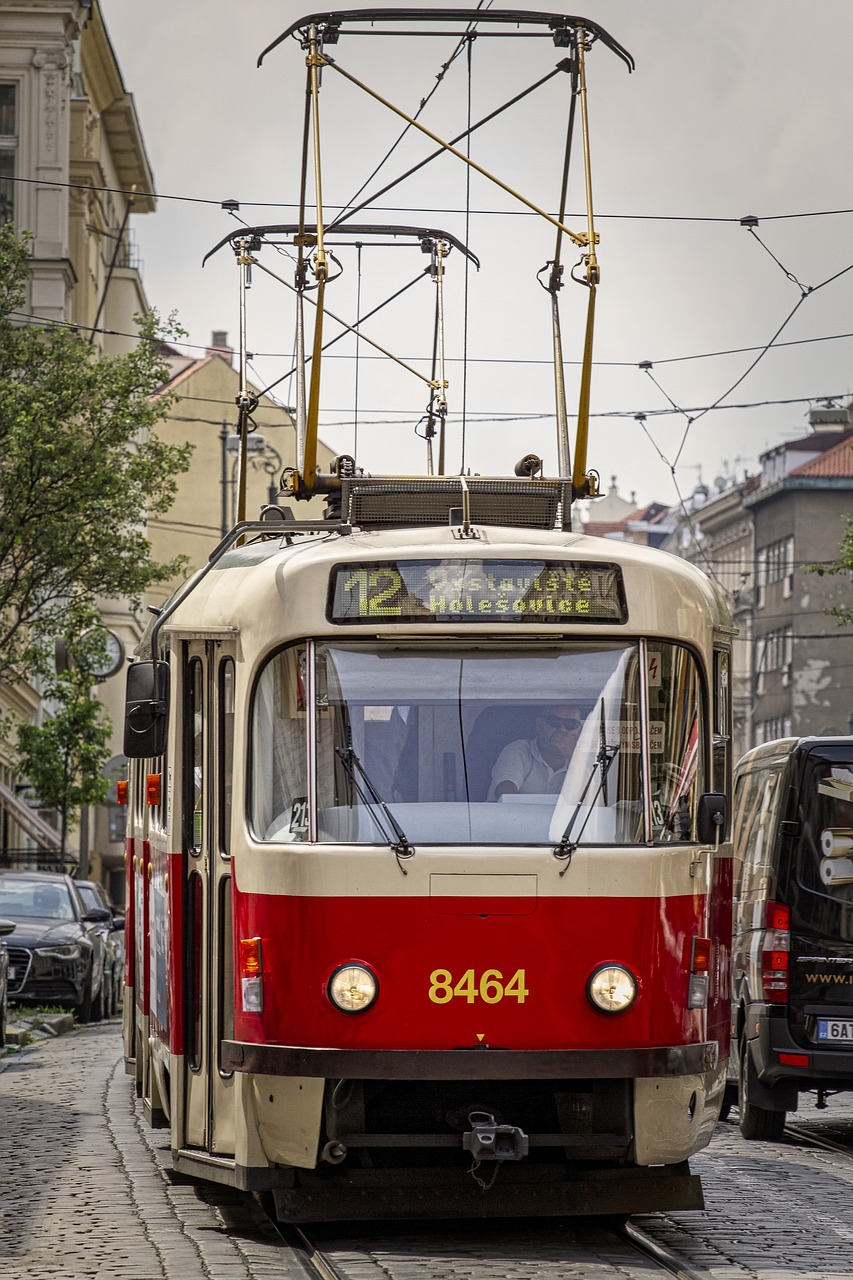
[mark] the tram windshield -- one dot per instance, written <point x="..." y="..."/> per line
<point x="369" y="742"/>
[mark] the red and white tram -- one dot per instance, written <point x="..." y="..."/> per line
<point x="428" y="875"/>
<point x="357" y="977"/>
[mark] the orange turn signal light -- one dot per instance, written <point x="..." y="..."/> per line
<point x="152" y="788"/>
<point x="700" y="961"/>
<point x="250" y="957"/>
<point x="121" y="791"/>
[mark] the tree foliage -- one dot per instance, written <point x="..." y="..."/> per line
<point x="80" y="471"/>
<point x="63" y="757"/>
<point x="844" y="564"/>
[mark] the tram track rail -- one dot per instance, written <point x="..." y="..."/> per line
<point x="820" y="1141"/>
<point x="317" y="1265"/>
<point x="666" y="1259"/>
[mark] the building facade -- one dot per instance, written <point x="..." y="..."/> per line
<point x="764" y="540"/>
<point x="73" y="169"/>
<point x="802" y="659"/>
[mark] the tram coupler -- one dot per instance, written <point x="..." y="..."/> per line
<point x="488" y="1140"/>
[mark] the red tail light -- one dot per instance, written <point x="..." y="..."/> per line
<point x="776" y="946"/>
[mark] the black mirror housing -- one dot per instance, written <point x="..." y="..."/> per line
<point x="712" y="817"/>
<point x="97" y="915"/>
<point x="146" y="716"/>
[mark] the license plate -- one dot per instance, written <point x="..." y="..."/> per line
<point x="834" y="1029"/>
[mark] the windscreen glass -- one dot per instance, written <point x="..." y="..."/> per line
<point x="471" y="745"/>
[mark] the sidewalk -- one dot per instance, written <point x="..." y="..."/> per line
<point x="88" y="1191"/>
<point x="25" y="1025"/>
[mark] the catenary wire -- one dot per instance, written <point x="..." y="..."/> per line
<point x="733" y="220"/>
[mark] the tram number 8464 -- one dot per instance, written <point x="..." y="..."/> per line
<point x="490" y="987"/>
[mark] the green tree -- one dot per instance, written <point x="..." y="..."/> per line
<point x="80" y="471"/>
<point x="63" y="757"/>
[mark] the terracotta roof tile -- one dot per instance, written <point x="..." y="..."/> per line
<point x="835" y="462"/>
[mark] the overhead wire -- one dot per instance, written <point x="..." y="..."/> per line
<point x="733" y="219"/>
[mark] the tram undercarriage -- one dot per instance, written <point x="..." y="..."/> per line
<point x="462" y="1148"/>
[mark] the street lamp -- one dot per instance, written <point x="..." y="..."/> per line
<point x="260" y="453"/>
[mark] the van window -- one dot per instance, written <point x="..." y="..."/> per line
<point x="756" y="809"/>
<point x="825" y="813"/>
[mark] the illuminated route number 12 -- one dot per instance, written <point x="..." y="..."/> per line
<point x="489" y="986"/>
<point x="376" y="588"/>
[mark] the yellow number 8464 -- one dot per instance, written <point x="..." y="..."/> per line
<point x="490" y="986"/>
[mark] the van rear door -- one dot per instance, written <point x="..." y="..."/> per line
<point x="820" y="894"/>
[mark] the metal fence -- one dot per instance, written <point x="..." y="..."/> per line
<point x="37" y="860"/>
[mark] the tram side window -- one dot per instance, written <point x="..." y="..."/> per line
<point x="675" y="740"/>
<point x="279" y="781"/>
<point x="194" y="781"/>
<point x="226" y="752"/>
<point x="722" y="722"/>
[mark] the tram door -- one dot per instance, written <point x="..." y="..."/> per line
<point x="208" y="763"/>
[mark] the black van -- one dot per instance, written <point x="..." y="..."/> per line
<point x="792" y="945"/>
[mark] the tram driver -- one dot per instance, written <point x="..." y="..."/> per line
<point x="537" y="766"/>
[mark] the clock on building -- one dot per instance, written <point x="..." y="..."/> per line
<point x="114" y="657"/>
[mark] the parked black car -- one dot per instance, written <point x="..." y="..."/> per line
<point x="94" y="895"/>
<point x="58" y="953"/>
<point x="6" y="927"/>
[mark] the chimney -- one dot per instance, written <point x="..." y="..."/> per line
<point x="219" y="345"/>
<point x="828" y="416"/>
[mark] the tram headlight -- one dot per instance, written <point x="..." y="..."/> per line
<point x="612" y="988"/>
<point x="353" y="988"/>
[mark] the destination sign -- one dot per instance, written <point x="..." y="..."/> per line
<point x="478" y="590"/>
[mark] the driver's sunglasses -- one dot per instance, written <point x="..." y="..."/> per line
<point x="567" y="723"/>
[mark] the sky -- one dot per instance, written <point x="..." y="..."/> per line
<point x="732" y="110"/>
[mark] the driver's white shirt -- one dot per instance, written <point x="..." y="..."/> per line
<point x="521" y="762"/>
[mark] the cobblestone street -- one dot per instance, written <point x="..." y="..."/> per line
<point x="88" y="1192"/>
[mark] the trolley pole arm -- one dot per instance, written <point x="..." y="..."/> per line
<point x="308" y="478"/>
<point x="555" y="283"/>
<point x="583" y="484"/>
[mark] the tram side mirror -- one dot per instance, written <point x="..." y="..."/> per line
<point x="712" y="817"/>
<point x="146" y="712"/>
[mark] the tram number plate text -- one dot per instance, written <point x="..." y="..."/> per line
<point x="834" y="1029"/>
<point x="488" y="986"/>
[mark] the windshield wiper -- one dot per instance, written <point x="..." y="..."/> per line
<point x="401" y="848"/>
<point x="604" y="758"/>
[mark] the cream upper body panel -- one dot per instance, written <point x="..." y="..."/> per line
<point x="312" y="870"/>
<point x="274" y="592"/>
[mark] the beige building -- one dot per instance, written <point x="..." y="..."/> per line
<point x="71" y="154"/>
<point x="205" y="414"/>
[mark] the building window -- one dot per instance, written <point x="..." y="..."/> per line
<point x="8" y="150"/>
<point x="769" y="730"/>
<point x="776" y="564"/>
<point x="774" y="653"/>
